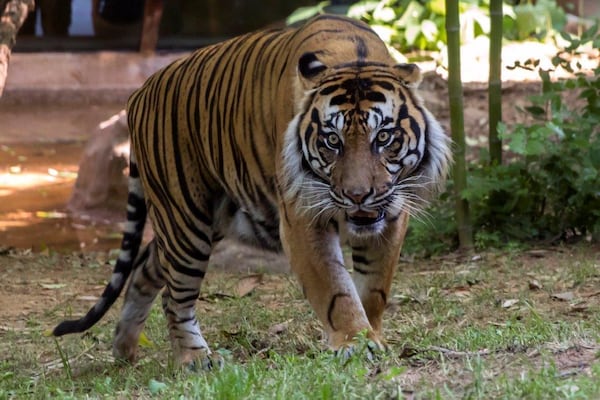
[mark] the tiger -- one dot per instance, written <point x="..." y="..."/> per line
<point x="302" y="139"/>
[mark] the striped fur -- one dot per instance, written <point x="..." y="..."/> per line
<point x="298" y="139"/>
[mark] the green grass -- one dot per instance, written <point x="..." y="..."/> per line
<point x="456" y="329"/>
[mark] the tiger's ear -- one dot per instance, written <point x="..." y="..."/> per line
<point x="311" y="69"/>
<point x="409" y="74"/>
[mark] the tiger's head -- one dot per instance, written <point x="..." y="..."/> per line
<point x="362" y="147"/>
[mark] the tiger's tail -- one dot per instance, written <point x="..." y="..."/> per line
<point x="130" y="245"/>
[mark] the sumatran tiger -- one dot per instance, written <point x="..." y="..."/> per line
<point x="303" y="139"/>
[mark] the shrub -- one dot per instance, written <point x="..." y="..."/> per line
<point x="549" y="187"/>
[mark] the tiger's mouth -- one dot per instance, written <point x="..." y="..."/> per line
<point x="365" y="222"/>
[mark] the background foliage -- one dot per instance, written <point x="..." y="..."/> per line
<point x="419" y="25"/>
<point x="549" y="187"/>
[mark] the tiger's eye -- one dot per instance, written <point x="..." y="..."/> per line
<point x="383" y="137"/>
<point x="332" y="141"/>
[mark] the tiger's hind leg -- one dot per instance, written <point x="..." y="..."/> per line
<point x="184" y="273"/>
<point x="146" y="282"/>
<point x="190" y="349"/>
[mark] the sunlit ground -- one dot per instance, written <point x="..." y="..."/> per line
<point x="36" y="181"/>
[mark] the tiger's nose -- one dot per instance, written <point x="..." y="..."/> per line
<point x="358" y="196"/>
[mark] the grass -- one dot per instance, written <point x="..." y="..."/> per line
<point x="504" y="325"/>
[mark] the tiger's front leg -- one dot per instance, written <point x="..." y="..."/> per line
<point x="375" y="260"/>
<point x="316" y="258"/>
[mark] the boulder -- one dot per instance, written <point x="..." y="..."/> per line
<point x="101" y="185"/>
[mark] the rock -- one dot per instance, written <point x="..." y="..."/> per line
<point x="101" y="185"/>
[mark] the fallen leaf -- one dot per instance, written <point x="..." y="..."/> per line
<point x="247" y="284"/>
<point x="509" y="303"/>
<point x="144" y="341"/>
<point x="534" y="284"/>
<point x="278" y="329"/>
<point x="230" y="334"/>
<point x="564" y="296"/>
<point x="53" y="286"/>
<point x="61" y="174"/>
<point x="50" y="214"/>
<point x="580" y="307"/>
<point x="215" y="297"/>
<point x="537" y="253"/>
<point x="461" y="291"/>
<point x="87" y="298"/>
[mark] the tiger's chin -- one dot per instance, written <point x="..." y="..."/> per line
<point x="365" y="223"/>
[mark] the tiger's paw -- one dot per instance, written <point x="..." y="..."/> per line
<point x="202" y="360"/>
<point x="363" y="346"/>
<point x="370" y="351"/>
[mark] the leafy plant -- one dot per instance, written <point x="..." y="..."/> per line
<point x="405" y="24"/>
<point x="419" y="24"/>
<point x="549" y="183"/>
<point x="533" y="19"/>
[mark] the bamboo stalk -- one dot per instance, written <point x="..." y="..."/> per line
<point x="455" y="97"/>
<point x="495" y="82"/>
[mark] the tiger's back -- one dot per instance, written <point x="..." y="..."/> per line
<point x="298" y="138"/>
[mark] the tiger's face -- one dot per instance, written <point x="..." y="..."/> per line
<point x="362" y="136"/>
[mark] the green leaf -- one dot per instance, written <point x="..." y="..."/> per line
<point x="384" y="32"/>
<point x="525" y="20"/>
<point x="411" y="16"/>
<point x="362" y="9"/>
<point x="517" y="143"/>
<point x="429" y="30"/>
<point x="437" y="7"/>
<point x="556" y="129"/>
<point x="304" y="13"/>
<point x="595" y="154"/>
<point x="384" y="14"/>
<point x="411" y="34"/>
<point x="155" y="387"/>
<point x="536" y="111"/>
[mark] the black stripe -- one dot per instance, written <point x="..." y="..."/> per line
<point x="332" y="306"/>
<point x="362" y="51"/>
<point x="360" y="259"/>
<point x="382" y="293"/>
<point x="362" y="271"/>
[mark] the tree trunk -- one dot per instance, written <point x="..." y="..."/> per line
<point x="455" y="94"/>
<point x="13" y="14"/>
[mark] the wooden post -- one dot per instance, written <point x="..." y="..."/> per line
<point x="12" y="17"/>
<point x="153" y="11"/>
